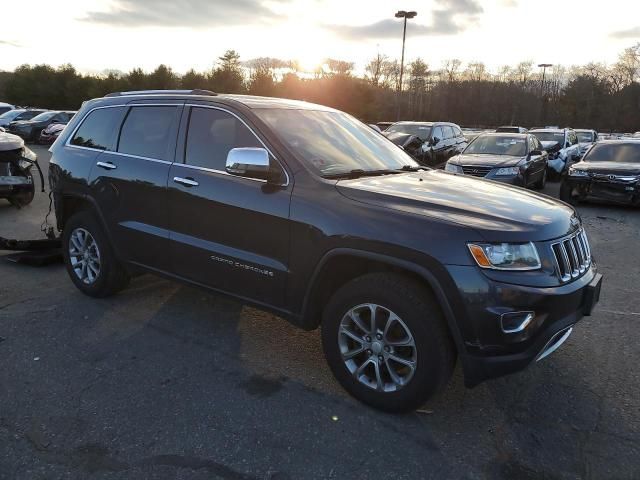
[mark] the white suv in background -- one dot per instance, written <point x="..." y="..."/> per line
<point x="562" y="146"/>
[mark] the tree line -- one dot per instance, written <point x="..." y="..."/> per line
<point x="605" y="97"/>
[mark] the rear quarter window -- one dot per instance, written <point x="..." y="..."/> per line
<point x="97" y="130"/>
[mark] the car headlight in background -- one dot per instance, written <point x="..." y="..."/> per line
<point x="506" y="256"/>
<point x="453" y="168"/>
<point x="508" y="171"/>
<point x="576" y="172"/>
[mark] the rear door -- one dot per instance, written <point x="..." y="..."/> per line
<point x="130" y="183"/>
<point x="228" y="232"/>
<point x="438" y="146"/>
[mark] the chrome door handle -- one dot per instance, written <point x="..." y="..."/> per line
<point x="187" y="182"/>
<point x="106" y="165"/>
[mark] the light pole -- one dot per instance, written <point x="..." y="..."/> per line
<point x="544" y="67"/>
<point x="406" y="16"/>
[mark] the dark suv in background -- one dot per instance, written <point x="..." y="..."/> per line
<point x="31" y="129"/>
<point x="437" y="141"/>
<point x="304" y="211"/>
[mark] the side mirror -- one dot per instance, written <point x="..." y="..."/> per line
<point x="435" y="141"/>
<point x="248" y="162"/>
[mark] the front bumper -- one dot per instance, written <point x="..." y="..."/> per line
<point x="491" y="352"/>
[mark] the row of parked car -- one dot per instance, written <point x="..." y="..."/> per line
<point x="588" y="164"/>
<point x="34" y="124"/>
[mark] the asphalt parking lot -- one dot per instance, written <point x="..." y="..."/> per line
<point x="167" y="381"/>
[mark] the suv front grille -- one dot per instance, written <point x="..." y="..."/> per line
<point x="475" y="171"/>
<point x="572" y="255"/>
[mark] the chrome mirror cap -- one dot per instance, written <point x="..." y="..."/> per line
<point x="248" y="162"/>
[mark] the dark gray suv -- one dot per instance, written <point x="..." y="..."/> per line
<point x="304" y="211"/>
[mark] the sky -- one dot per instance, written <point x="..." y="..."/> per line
<point x="96" y="35"/>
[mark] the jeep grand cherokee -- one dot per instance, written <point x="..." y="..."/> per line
<point x="306" y="212"/>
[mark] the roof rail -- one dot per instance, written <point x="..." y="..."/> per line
<point x="196" y="91"/>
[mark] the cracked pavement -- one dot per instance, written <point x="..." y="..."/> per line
<point x="168" y="381"/>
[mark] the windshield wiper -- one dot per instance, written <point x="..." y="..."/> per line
<point x="411" y="168"/>
<point x="358" y="172"/>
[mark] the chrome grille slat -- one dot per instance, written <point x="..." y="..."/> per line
<point x="572" y="255"/>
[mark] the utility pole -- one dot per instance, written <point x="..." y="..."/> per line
<point x="542" y="95"/>
<point x="405" y="16"/>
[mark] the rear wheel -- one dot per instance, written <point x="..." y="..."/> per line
<point x="386" y="342"/>
<point x="89" y="257"/>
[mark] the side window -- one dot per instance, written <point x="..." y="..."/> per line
<point x="457" y="132"/>
<point x="448" y="132"/>
<point x="146" y="132"/>
<point x="437" y="134"/>
<point x="97" y="129"/>
<point x="212" y="133"/>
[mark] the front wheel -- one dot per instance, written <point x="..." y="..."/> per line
<point x="25" y="197"/>
<point x="540" y="184"/>
<point x="386" y="341"/>
<point x="566" y="194"/>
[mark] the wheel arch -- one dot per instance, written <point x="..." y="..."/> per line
<point x="347" y="263"/>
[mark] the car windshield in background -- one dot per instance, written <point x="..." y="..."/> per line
<point x="498" y="145"/>
<point x="11" y="114"/>
<point x="334" y="143"/>
<point x="549" y="136"/>
<point x="421" y="131"/>
<point x="623" y="153"/>
<point x="44" y="116"/>
<point x="585" y="137"/>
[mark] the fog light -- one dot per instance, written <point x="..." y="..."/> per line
<point x="515" y="322"/>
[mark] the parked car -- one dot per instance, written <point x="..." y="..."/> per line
<point x="440" y="140"/>
<point x="5" y="107"/>
<point x="514" y="158"/>
<point x="412" y="144"/>
<point x="51" y="133"/>
<point x="511" y="129"/>
<point x="17" y="115"/>
<point x="586" y="138"/>
<point x="30" y="130"/>
<point x="562" y="146"/>
<point x="16" y="178"/>
<point x="404" y="268"/>
<point x="610" y="171"/>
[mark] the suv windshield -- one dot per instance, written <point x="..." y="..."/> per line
<point x="44" y="116"/>
<point x="334" y="143"/>
<point x="550" y="136"/>
<point x="498" y="145"/>
<point x="585" y="137"/>
<point x="621" y="152"/>
<point x="421" y="131"/>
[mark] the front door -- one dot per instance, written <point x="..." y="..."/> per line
<point x="228" y="232"/>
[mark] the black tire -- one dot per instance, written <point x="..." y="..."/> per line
<point x="566" y="194"/>
<point x="420" y="312"/>
<point x="540" y="184"/>
<point x="25" y="197"/>
<point x="112" y="276"/>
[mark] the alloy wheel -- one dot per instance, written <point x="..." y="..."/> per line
<point x="84" y="256"/>
<point x="377" y="347"/>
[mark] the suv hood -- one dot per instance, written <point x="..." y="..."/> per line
<point x="481" y="159"/>
<point x="497" y="212"/>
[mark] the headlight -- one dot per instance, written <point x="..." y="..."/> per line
<point x="453" y="168"/>
<point x="506" y="256"/>
<point x="508" y="171"/>
<point x="576" y="172"/>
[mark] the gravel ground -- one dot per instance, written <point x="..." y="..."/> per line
<point x="166" y="381"/>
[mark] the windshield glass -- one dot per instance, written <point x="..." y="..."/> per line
<point x="621" y="152"/>
<point x="585" y="137"/>
<point x="498" y="145"/>
<point x="43" y="116"/>
<point x="550" y="136"/>
<point x="421" y="131"/>
<point x="334" y="143"/>
<point x="10" y="115"/>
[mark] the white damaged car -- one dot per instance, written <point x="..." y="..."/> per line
<point x="562" y="146"/>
